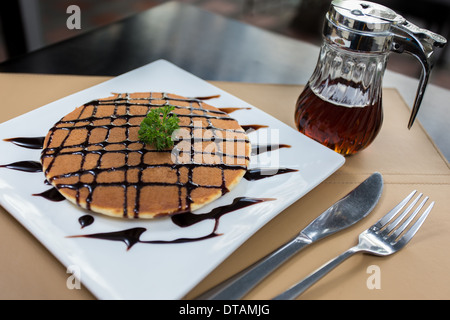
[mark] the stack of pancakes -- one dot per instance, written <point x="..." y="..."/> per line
<point x="94" y="158"/>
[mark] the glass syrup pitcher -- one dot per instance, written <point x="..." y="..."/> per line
<point x="340" y="106"/>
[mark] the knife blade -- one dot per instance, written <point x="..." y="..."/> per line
<point x="344" y="213"/>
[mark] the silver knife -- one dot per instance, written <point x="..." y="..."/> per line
<point x="344" y="213"/>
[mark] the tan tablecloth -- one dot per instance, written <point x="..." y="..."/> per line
<point x="407" y="159"/>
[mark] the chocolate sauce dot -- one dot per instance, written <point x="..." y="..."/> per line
<point x="86" y="220"/>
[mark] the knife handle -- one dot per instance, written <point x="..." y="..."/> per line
<point x="240" y="284"/>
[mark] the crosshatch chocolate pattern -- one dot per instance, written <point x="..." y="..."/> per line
<point x="94" y="158"/>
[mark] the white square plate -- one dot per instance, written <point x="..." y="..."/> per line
<point x="156" y="271"/>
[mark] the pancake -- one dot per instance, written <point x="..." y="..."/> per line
<point x="94" y="158"/>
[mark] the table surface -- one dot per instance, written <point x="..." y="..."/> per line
<point x="213" y="48"/>
<point x="29" y="271"/>
<point x="420" y="271"/>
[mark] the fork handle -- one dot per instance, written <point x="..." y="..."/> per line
<point x="237" y="286"/>
<point x="300" y="287"/>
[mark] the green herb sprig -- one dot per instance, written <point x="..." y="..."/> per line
<point x="158" y="126"/>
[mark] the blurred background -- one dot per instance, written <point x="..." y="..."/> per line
<point x="27" y="25"/>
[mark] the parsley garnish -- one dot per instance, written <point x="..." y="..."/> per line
<point x="158" y="126"/>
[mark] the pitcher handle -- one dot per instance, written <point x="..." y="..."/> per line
<point x="420" y="43"/>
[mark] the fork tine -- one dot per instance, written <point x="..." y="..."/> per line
<point x="391" y="226"/>
<point x="384" y="220"/>
<point x="405" y="224"/>
<point x="412" y="231"/>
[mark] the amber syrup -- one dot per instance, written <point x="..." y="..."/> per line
<point x="344" y="129"/>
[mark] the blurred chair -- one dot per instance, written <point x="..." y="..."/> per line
<point x="12" y="28"/>
<point x="20" y="26"/>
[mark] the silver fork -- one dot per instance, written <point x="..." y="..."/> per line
<point x="383" y="238"/>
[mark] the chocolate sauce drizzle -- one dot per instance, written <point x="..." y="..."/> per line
<point x="253" y="127"/>
<point x="27" y="142"/>
<point x="132" y="236"/>
<point x="208" y="97"/>
<point x="51" y="194"/>
<point x="26" y="166"/>
<point x="262" y="173"/>
<point x="86" y="121"/>
<point x="188" y="219"/>
<point x="129" y="236"/>
<point x="230" y="110"/>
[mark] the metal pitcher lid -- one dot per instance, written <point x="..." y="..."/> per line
<point x="363" y="16"/>
<point x="361" y="26"/>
